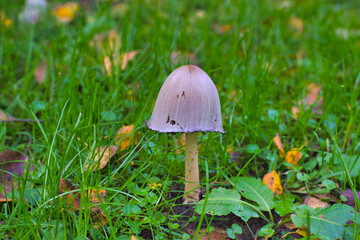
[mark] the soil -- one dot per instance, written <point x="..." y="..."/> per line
<point x="220" y="223"/>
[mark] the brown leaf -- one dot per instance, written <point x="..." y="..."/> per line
<point x="125" y="137"/>
<point x="293" y="156"/>
<point x="278" y="143"/>
<point x="215" y="234"/>
<point x="40" y="72"/>
<point x="272" y="181"/>
<point x="102" y="156"/>
<point x="73" y="200"/>
<point x="315" y="202"/>
<point x="12" y="164"/>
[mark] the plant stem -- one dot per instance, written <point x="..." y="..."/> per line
<point x="191" y="166"/>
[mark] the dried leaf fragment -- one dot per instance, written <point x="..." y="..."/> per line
<point x="278" y="143"/>
<point x="101" y="156"/>
<point x="297" y="24"/>
<point x="315" y="202"/>
<point x="126" y="57"/>
<point x="12" y="165"/>
<point x="293" y="156"/>
<point x="125" y="137"/>
<point x="65" y="13"/>
<point x="40" y="72"/>
<point x="272" y="181"/>
<point x="6" y="117"/>
<point x="72" y="199"/>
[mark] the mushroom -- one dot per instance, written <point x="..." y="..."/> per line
<point x="188" y="102"/>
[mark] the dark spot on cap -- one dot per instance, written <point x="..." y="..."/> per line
<point x="177" y="96"/>
<point x="172" y="122"/>
<point x="215" y="120"/>
<point x="183" y="94"/>
<point x="168" y="119"/>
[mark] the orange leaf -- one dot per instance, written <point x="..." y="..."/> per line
<point x="272" y="181"/>
<point x="102" y="156"/>
<point x="293" y="156"/>
<point x="126" y="57"/>
<point x="125" y="137"/>
<point x="180" y="143"/>
<point x="223" y="28"/>
<point x="278" y="143"/>
<point x="107" y="63"/>
<point x="65" y="12"/>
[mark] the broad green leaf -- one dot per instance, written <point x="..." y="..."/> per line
<point x="254" y="190"/>
<point x="220" y="202"/>
<point x="327" y="222"/>
<point x="244" y="212"/>
<point x="284" y="205"/>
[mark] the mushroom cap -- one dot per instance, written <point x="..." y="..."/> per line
<point x="187" y="102"/>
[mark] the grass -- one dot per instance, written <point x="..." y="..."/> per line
<point x="261" y="66"/>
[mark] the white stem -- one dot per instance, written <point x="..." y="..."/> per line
<point x="191" y="166"/>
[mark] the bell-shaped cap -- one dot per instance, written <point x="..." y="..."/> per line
<point x="187" y="102"/>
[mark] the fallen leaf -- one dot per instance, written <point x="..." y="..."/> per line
<point x="6" y="117"/>
<point x="126" y="57"/>
<point x="125" y="137"/>
<point x="294" y="111"/>
<point x="40" y="72"/>
<point x="297" y="24"/>
<point x="293" y="156"/>
<point x="65" y="12"/>
<point x="327" y="196"/>
<point x="315" y="202"/>
<point x="300" y="231"/>
<point x="216" y="233"/>
<point x="72" y="198"/>
<point x="12" y="164"/>
<point x="278" y="143"/>
<point x="107" y="64"/>
<point x="102" y="156"/>
<point x="223" y="28"/>
<point x="272" y="181"/>
<point x="312" y="100"/>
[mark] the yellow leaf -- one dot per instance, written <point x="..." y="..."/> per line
<point x="293" y="156"/>
<point x="278" y="143"/>
<point x="65" y="12"/>
<point x="102" y="156"/>
<point x="272" y="181"/>
<point x="125" y="137"/>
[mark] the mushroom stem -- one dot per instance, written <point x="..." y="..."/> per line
<point x="191" y="167"/>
